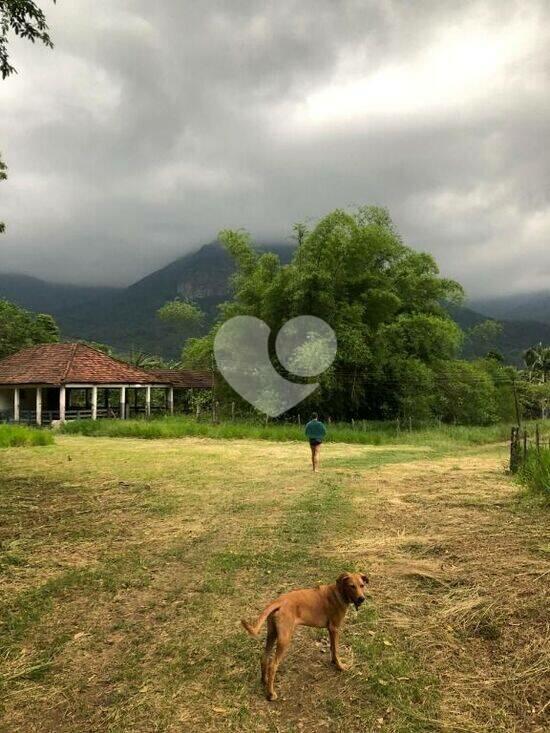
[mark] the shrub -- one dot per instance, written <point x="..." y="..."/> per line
<point x="13" y="436"/>
<point x="535" y="473"/>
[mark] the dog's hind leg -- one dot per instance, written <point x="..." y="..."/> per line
<point x="285" y="629"/>
<point x="271" y="638"/>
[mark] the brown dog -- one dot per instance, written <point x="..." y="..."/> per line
<point x="324" y="607"/>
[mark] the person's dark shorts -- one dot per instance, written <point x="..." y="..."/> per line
<point x="313" y="442"/>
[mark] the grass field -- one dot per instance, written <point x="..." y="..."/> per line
<point x="363" y="433"/>
<point x="127" y="565"/>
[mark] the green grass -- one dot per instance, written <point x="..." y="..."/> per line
<point x="13" y="436"/>
<point x="535" y="473"/>
<point x="127" y="565"/>
<point x="364" y="432"/>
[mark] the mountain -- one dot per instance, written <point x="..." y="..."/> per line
<point x="524" y="307"/>
<point x="125" y="318"/>
<point x="516" y="336"/>
<point x="44" y="297"/>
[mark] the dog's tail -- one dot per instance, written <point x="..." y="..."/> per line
<point x="254" y="629"/>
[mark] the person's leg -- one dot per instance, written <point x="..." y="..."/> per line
<point x="313" y="448"/>
<point x="316" y="457"/>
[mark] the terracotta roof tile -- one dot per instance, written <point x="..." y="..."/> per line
<point x="70" y="364"/>
<point x="185" y="378"/>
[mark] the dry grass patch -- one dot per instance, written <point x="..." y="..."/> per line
<point x="462" y="576"/>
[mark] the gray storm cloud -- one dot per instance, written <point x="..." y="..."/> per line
<point x="153" y="125"/>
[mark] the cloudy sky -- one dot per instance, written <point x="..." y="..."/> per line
<point x="150" y="126"/>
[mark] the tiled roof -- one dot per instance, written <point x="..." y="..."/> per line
<point x="185" y="378"/>
<point x="56" y="364"/>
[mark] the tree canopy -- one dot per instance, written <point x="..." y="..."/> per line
<point x="20" y="328"/>
<point x="25" y="19"/>
<point x="382" y="299"/>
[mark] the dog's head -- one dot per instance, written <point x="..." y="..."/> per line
<point x="352" y="587"/>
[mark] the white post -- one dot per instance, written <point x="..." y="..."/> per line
<point x="147" y="401"/>
<point x="16" y="404"/>
<point x="39" y="405"/>
<point x="123" y="403"/>
<point x="171" y="400"/>
<point x="94" y="403"/>
<point x="62" y="395"/>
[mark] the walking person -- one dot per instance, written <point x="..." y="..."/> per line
<point x="315" y="432"/>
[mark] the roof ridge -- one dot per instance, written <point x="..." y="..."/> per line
<point x="113" y="358"/>
<point x="69" y="362"/>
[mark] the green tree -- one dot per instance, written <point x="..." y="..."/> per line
<point x="180" y="312"/>
<point x="537" y="360"/>
<point x="465" y="393"/>
<point x="382" y="299"/>
<point x="483" y="337"/>
<point x="25" y="19"/>
<point x="20" y="328"/>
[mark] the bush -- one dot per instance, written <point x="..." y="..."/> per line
<point x="535" y="473"/>
<point x="465" y="394"/>
<point x="13" y="436"/>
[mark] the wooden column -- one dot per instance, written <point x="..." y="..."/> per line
<point x="62" y="402"/>
<point x="94" y="403"/>
<point x="39" y="405"/>
<point x="171" y="400"/>
<point x="16" y="405"/>
<point x="147" y="401"/>
<point x="123" y="403"/>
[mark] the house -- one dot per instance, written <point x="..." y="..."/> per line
<point x="67" y="381"/>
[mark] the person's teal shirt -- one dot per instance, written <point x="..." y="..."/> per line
<point x="315" y="430"/>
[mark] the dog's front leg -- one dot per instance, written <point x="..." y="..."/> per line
<point x="334" y="632"/>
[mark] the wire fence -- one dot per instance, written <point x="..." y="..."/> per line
<point x="523" y="444"/>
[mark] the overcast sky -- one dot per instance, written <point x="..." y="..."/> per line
<point x="152" y="125"/>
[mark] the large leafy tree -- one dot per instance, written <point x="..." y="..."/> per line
<point x="20" y="328"/>
<point x="382" y="299"/>
<point x="25" y="19"/>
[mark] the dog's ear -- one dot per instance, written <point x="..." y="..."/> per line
<point x="365" y="579"/>
<point x="341" y="584"/>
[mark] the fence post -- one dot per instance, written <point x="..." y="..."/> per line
<point x="537" y="437"/>
<point x="232" y="412"/>
<point x="352" y="424"/>
<point x="514" y="450"/>
<point x="299" y="419"/>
